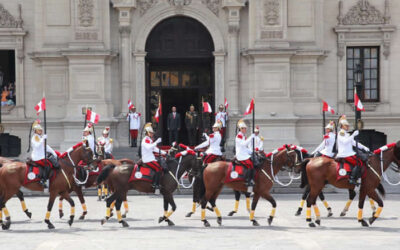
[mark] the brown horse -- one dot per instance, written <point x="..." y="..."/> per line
<point x="12" y="177"/>
<point x="215" y="174"/>
<point x="321" y="170"/>
<point x="119" y="179"/>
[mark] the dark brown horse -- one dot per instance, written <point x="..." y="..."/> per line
<point x="119" y="176"/>
<point x="12" y="177"/>
<point x="215" y="174"/>
<point x="321" y="170"/>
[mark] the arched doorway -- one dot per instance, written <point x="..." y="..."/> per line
<point x="179" y="68"/>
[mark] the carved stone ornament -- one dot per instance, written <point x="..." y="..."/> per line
<point x="213" y="5"/>
<point x="85" y="10"/>
<point x="179" y="3"/>
<point x="144" y="5"/>
<point x="7" y="20"/>
<point x="363" y="13"/>
<point x="271" y="12"/>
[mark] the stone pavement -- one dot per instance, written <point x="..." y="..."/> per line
<point x="286" y="232"/>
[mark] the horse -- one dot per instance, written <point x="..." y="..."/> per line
<point x="321" y="170"/>
<point x="91" y="181"/>
<point x="12" y="177"/>
<point x="118" y="177"/>
<point x="215" y="174"/>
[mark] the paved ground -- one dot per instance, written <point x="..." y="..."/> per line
<point x="286" y="232"/>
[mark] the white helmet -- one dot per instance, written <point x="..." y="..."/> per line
<point x="241" y="124"/>
<point x="36" y="125"/>
<point x="330" y="125"/>
<point x="217" y="124"/>
<point x="148" y="128"/>
<point x="343" y="121"/>
<point x="106" y="131"/>
<point x="257" y="129"/>
<point x="88" y="128"/>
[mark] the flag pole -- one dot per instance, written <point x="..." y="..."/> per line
<point x="254" y="113"/>
<point x="355" y="118"/>
<point x="323" y="122"/>
<point x="129" y="126"/>
<point x="45" y="131"/>
<point x="202" y="112"/>
<point x="84" y="115"/>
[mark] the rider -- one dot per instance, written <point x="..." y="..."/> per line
<point x="213" y="141"/>
<point x="87" y="135"/>
<point x="345" y="143"/>
<point x="326" y="146"/>
<point x="38" y="157"/>
<point x="243" y="153"/>
<point x="258" y="141"/>
<point x="107" y="142"/>
<point x="148" y="148"/>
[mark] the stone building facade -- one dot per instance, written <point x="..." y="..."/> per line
<point x="287" y="54"/>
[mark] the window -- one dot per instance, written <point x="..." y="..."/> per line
<point x="7" y="78"/>
<point x="368" y="58"/>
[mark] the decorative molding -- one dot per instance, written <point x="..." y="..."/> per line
<point x="213" y="5"/>
<point x="125" y="30"/>
<point x="271" y="12"/>
<point x="179" y="3"/>
<point x="145" y="5"/>
<point x="364" y="13"/>
<point x="7" y="20"/>
<point x="85" y="8"/>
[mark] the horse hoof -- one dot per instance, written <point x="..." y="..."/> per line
<point x="311" y="224"/>
<point x="170" y="223"/>
<point x="103" y="221"/>
<point x="210" y="208"/>
<point x="343" y="213"/>
<point x="318" y="222"/>
<point x="71" y="220"/>
<point x="373" y="214"/>
<point x="231" y="213"/>
<point x="330" y="214"/>
<point x="124" y="223"/>
<point x="255" y="223"/>
<point x="364" y="223"/>
<point x="111" y="214"/>
<point x="99" y="199"/>
<point x="82" y="217"/>
<point x="270" y="219"/>
<point x="206" y="224"/>
<point x="124" y="216"/>
<point x="219" y="221"/>
<point x="29" y="214"/>
<point x="298" y="212"/>
<point x="371" y="220"/>
<point x="49" y="224"/>
<point x="7" y="225"/>
<point x="161" y="219"/>
<point x="188" y="214"/>
<point x="61" y="213"/>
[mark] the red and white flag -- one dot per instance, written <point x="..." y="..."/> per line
<point x="250" y="107"/>
<point x="226" y="104"/>
<point x="357" y="102"/>
<point x="326" y="107"/>
<point x="130" y="104"/>
<point x="207" y="107"/>
<point x="158" y="113"/>
<point x="40" y="106"/>
<point x="92" y="116"/>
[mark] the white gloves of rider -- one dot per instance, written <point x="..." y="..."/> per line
<point x="158" y="140"/>
<point x="44" y="137"/>
<point x="355" y="133"/>
<point x="205" y="134"/>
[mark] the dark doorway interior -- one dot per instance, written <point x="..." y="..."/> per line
<point x="7" y="67"/>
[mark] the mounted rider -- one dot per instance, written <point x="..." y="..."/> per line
<point x="345" y="144"/>
<point x="243" y="153"/>
<point x="38" y="156"/>
<point x="88" y="136"/>
<point x="148" y="148"/>
<point x="326" y="146"/>
<point x="213" y="142"/>
<point x="258" y="141"/>
<point x="106" y="142"/>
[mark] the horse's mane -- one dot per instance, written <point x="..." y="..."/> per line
<point x="70" y="149"/>
<point x="397" y="150"/>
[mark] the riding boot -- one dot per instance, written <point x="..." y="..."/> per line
<point x="156" y="182"/>
<point x="54" y="161"/>
<point x="354" y="176"/>
<point x="42" y="176"/>
<point x="135" y="142"/>
<point x="250" y="177"/>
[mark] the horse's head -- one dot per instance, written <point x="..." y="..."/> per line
<point x="86" y="154"/>
<point x="396" y="154"/>
<point x="286" y="157"/>
<point x="189" y="161"/>
<point x="100" y="150"/>
<point x="174" y="149"/>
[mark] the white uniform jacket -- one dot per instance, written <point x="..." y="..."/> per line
<point x="345" y="143"/>
<point x="223" y="117"/>
<point x="241" y="146"/>
<point x="134" y="120"/>
<point x="37" y="143"/>
<point x="326" y="146"/>
<point x="92" y="144"/>
<point x="258" y="143"/>
<point x="213" y="141"/>
<point x="108" y="144"/>
<point x="148" y="149"/>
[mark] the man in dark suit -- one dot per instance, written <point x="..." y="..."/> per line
<point x="173" y="125"/>
<point x="192" y="125"/>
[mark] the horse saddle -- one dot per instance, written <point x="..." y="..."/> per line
<point x="344" y="169"/>
<point x="142" y="173"/>
<point x="236" y="172"/>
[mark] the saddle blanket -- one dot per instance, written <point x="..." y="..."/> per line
<point x="345" y="172"/>
<point x="32" y="172"/>
<point x="142" y="173"/>
<point x="235" y="173"/>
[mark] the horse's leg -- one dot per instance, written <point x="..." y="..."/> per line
<point x="322" y="198"/>
<point x="105" y="190"/>
<point x="3" y="209"/>
<point x="373" y="195"/>
<point x="196" y="198"/>
<point x="78" y="191"/>
<point x="235" y="209"/>
<point x="50" y="204"/>
<point x="352" y="194"/>
<point x="168" y="200"/>
<point x="20" y="196"/>
<point x="373" y="207"/>
<point x="118" y="203"/>
<point x="361" y="201"/>
<point x="126" y="207"/>
<point x="99" y="192"/>
<point x="303" y="199"/>
<point x="71" y="202"/>
<point x="204" y="201"/>
<point x="312" y="197"/>
<point x="216" y="210"/>
<point x="109" y="201"/>
<point x="271" y="200"/>
<point x="256" y="197"/>
<point x="60" y="207"/>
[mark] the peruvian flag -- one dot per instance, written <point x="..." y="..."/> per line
<point x="226" y="103"/>
<point x="92" y="116"/>
<point x="40" y="106"/>
<point x="207" y="107"/>
<point x="326" y="107"/>
<point x="250" y="108"/>
<point x="358" y="103"/>
<point x="130" y="104"/>
<point x="158" y="112"/>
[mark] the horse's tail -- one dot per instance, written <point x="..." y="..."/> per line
<point x="381" y="190"/>
<point x="304" y="179"/>
<point x="105" y="173"/>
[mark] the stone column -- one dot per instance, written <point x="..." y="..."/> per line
<point x="233" y="7"/>
<point x="140" y="86"/>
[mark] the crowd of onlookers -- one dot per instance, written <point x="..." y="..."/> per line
<point x="8" y="94"/>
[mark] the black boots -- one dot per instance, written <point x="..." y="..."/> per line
<point x="42" y="176"/>
<point x="133" y="143"/>
<point x="54" y="161"/>
<point x="354" y="175"/>
<point x="156" y="182"/>
<point x="250" y="178"/>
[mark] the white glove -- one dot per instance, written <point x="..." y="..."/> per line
<point x="205" y="134"/>
<point x="355" y="133"/>
<point x="158" y="140"/>
<point x="252" y="136"/>
<point x="44" y="137"/>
